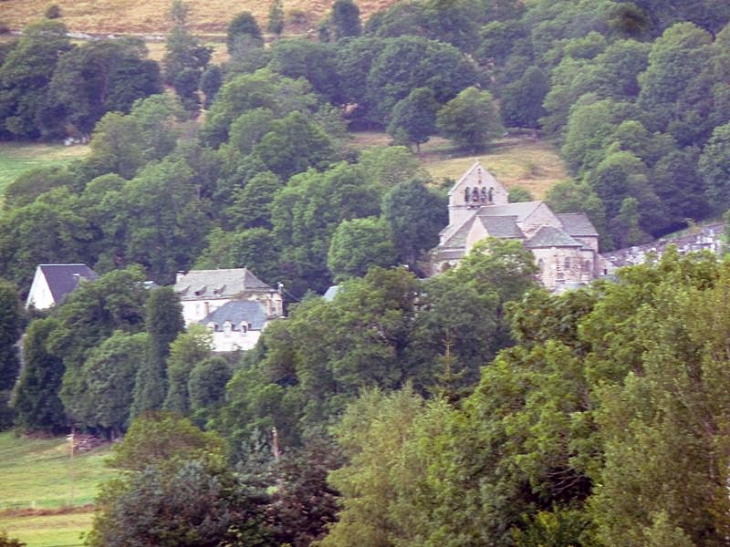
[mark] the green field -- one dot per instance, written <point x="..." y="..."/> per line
<point x="39" y="474"/>
<point x="16" y="158"/>
<point x="55" y="530"/>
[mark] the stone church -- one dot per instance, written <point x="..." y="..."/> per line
<point x="565" y="245"/>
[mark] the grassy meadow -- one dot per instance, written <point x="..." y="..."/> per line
<point x="515" y="161"/>
<point x="148" y="17"/>
<point x="45" y="497"/>
<point x="15" y="158"/>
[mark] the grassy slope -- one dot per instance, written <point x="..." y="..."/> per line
<point x="16" y="158"/>
<point x="515" y="161"/>
<point x="149" y="16"/>
<point x="37" y="474"/>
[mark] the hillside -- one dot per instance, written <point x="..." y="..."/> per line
<point x="149" y="16"/>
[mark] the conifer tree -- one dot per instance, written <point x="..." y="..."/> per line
<point x="164" y="323"/>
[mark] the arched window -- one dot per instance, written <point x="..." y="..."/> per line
<point x="475" y="195"/>
<point x="467" y="194"/>
<point x="490" y="198"/>
<point x="484" y="195"/>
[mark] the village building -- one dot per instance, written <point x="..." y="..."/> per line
<point x="565" y="245"/>
<point x="53" y="282"/>
<point x="233" y="303"/>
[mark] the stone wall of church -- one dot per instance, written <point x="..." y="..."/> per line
<point x="564" y="265"/>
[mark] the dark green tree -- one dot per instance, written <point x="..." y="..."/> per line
<point x="89" y="315"/>
<point x="359" y="244"/>
<point x="24" y="77"/>
<point x="243" y="31"/>
<point x="175" y="489"/>
<point x="211" y="81"/>
<point x="109" y="378"/>
<point x="207" y="385"/>
<point x="314" y="61"/>
<point x="255" y="248"/>
<point x="10" y="329"/>
<point x="521" y="104"/>
<point x="184" y="62"/>
<point x="96" y="78"/>
<point x="307" y="212"/>
<point x="416" y="215"/>
<point x="470" y="120"/>
<point x="164" y="322"/>
<point x="294" y="144"/>
<point x="410" y="62"/>
<point x="714" y="166"/>
<point x="186" y="351"/>
<point x="346" y="19"/>
<point x="36" y="399"/>
<point x="413" y="119"/>
<point x="275" y="22"/>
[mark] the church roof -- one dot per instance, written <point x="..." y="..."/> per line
<point x="577" y="224"/>
<point x="518" y="210"/>
<point x="236" y="312"/>
<point x="458" y="239"/>
<point x="502" y="226"/>
<point x="549" y="236"/>
<point x="62" y="279"/>
<point x="230" y="283"/>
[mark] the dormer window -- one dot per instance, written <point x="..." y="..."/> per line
<point x="244" y="327"/>
<point x="227" y="328"/>
<point x="212" y="326"/>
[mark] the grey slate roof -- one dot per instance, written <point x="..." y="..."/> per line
<point x="458" y="239"/>
<point x="549" y="236"/>
<point x="518" y="210"/>
<point x="236" y="312"/>
<point x="207" y="284"/>
<point x="504" y="227"/>
<point x="577" y="224"/>
<point x="62" y="279"/>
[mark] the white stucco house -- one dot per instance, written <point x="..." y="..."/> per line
<point x="233" y="303"/>
<point x="53" y="282"/>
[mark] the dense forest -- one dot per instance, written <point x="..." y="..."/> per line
<point x="471" y="408"/>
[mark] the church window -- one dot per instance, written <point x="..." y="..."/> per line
<point x="467" y="194"/>
<point x="475" y="195"/>
<point x="484" y="194"/>
<point x="490" y="197"/>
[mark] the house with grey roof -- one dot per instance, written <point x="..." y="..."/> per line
<point x="565" y="245"/>
<point x="53" y="282"/>
<point x="233" y="303"/>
